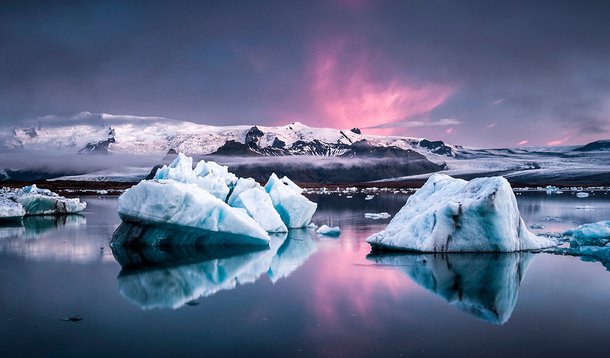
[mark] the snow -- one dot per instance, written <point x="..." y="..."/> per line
<point x="167" y="201"/>
<point x="329" y="231"/>
<point x="157" y="135"/>
<point x="211" y="198"/>
<point x="454" y="215"/>
<point x="294" y="209"/>
<point x="484" y="285"/>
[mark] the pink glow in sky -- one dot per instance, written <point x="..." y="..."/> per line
<point x="346" y="92"/>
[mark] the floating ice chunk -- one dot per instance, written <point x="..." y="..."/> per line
<point x="294" y="209"/>
<point x="592" y="234"/>
<point x="536" y="226"/>
<point x="485" y="285"/>
<point x="37" y="201"/>
<point x="377" y="216"/>
<point x="10" y="209"/>
<point x="454" y="215"/>
<point x="369" y="197"/>
<point x="250" y="196"/>
<point x="329" y="231"/>
<point x="188" y="205"/>
<point x="582" y="194"/>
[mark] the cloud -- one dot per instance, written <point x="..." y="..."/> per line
<point x="418" y="123"/>
<point x="347" y="88"/>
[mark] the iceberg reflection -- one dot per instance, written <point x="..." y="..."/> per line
<point x="170" y="277"/>
<point x="485" y="285"/>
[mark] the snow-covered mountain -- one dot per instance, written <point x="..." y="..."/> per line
<point x="105" y="133"/>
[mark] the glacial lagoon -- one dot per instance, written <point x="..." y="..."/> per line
<point x="306" y="295"/>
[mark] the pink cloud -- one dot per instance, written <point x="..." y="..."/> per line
<point x="351" y="87"/>
<point x="523" y="142"/>
<point x="449" y="130"/>
<point x="558" y="141"/>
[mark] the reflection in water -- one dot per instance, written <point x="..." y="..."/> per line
<point x="170" y="277"/>
<point x="28" y="238"/>
<point x="484" y="285"/>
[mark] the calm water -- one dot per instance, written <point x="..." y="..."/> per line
<point x="307" y="296"/>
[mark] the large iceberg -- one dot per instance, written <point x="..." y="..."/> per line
<point x="294" y="209"/>
<point x="485" y="285"/>
<point x="454" y="215"/>
<point x="30" y="200"/>
<point x="212" y="199"/>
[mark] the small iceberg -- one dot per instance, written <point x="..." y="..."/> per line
<point x="377" y="216"/>
<point x="454" y="215"/>
<point x="582" y="195"/>
<point x="211" y="200"/>
<point x="329" y="231"/>
<point x="30" y="200"/>
<point x="589" y="241"/>
<point x="485" y="285"/>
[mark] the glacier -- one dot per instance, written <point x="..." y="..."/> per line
<point x="212" y="199"/>
<point x="31" y="200"/>
<point x="454" y="215"/>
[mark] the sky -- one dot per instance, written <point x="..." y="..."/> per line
<point x="480" y="73"/>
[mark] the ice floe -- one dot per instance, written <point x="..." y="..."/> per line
<point x="329" y="231"/>
<point x="454" y="215"/>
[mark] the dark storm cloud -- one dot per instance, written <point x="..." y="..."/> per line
<point x="505" y="71"/>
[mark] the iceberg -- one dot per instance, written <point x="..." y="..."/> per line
<point x="187" y="205"/>
<point x="212" y="199"/>
<point x="454" y="215"/>
<point x="591" y="242"/>
<point x="37" y="201"/>
<point x="31" y="200"/>
<point x="294" y="208"/>
<point x="329" y="231"/>
<point x="252" y="197"/>
<point x="10" y="209"/>
<point x="591" y="234"/>
<point x="485" y="285"/>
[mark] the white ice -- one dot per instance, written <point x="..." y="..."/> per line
<point x="188" y="205"/>
<point x="454" y="215"/>
<point x="329" y="231"/>
<point x="592" y="234"/>
<point x="181" y="195"/>
<point x="30" y="200"/>
<point x="294" y="209"/>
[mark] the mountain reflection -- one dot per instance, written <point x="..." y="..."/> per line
<point x="484" y="285"/>
<point x="170" y="277"/>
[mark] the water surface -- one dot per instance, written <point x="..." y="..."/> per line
<point x="307" y="295"/>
